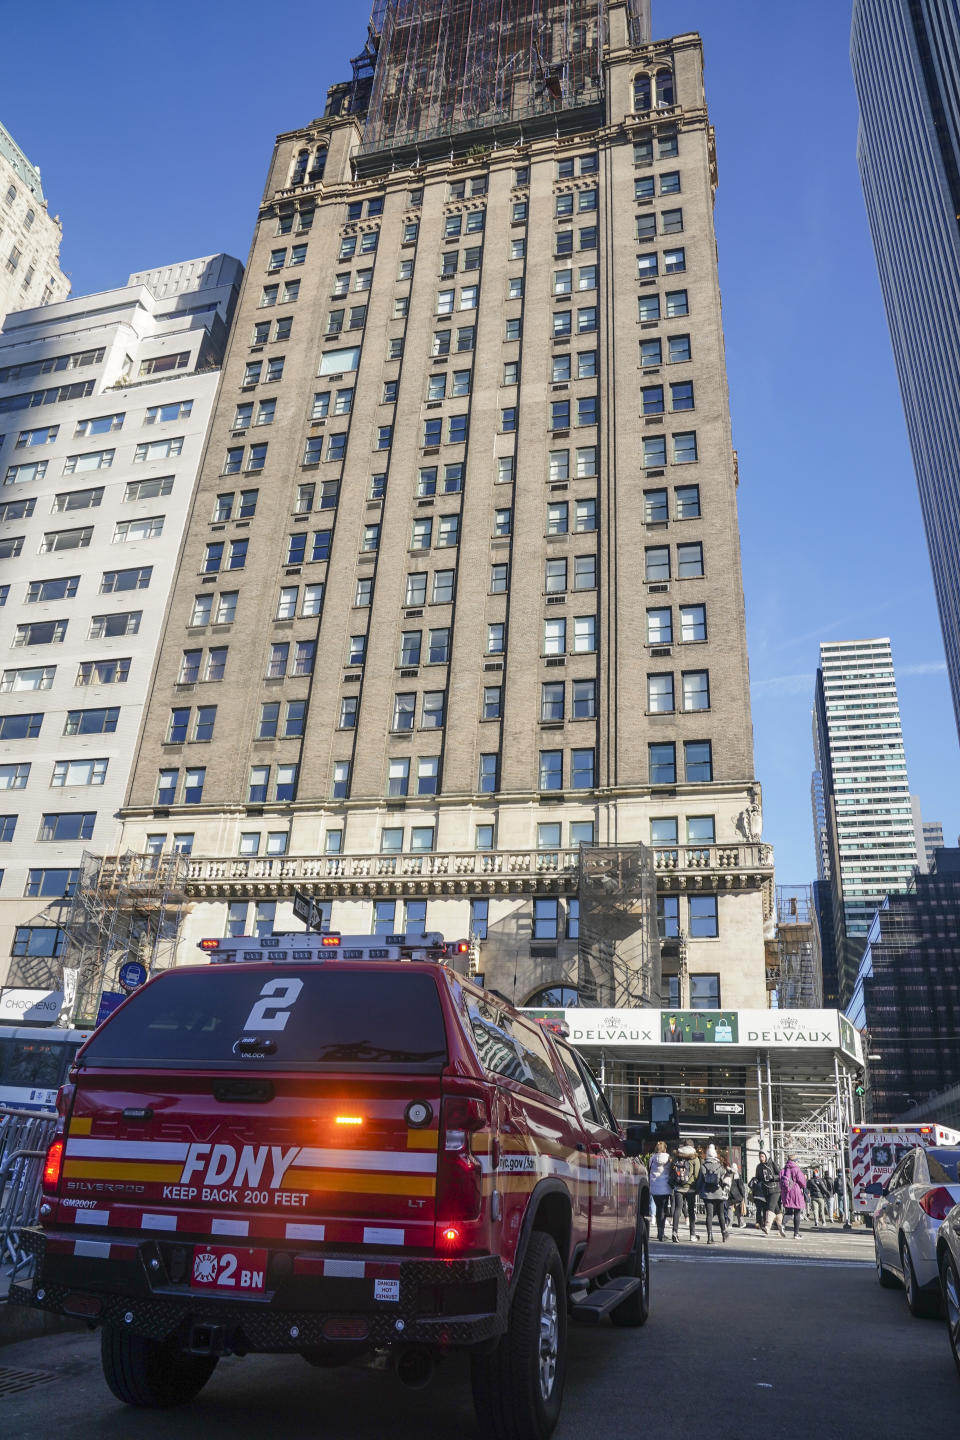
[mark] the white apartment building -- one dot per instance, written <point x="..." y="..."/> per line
<point x="104" y="405"/>
<point x="870" y="830"/>
<point x="30" y="238"/>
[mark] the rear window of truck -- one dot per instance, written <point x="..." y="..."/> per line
<point x="282" y="1018"/>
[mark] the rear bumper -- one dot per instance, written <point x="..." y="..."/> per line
<point x="312" y="1300"/>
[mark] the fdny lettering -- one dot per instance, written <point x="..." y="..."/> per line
<point x="222" y="1165"/>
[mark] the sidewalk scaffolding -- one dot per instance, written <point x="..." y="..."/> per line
<point x="748" y="1080"/>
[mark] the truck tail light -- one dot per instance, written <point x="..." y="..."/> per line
<point x="52" y="1166"/>
<point x="937" y="1203"/>
<point x="459" y="1174"/>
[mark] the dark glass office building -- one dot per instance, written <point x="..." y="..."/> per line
<point x="907" y="993"/>
<point x="906" y="66"/>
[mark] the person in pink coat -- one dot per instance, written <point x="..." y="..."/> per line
<point x="793" y="1183"/>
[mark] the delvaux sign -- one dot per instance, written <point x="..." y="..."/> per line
<point x="776" y="1029"/>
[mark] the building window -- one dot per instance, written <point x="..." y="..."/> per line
<point x="663" y="763"/>
<point x="340" y="788"/>
<point x="685" y="448"/>
<point x="689" y="561"/>
<point x="492" y="702"/>
<point x="398" y="777"/>
<point x="483" y="837"/>
<point x="584" y="699"/>
<point x="657" y="563"/>
<point x="545" y="918"/>
<point x="693" y="623"/>
<point x="698" y="760"/>
<point x="551" y="770"/>
<point x="487" y="778"/>
<point x="660" y="694"/>
<point x="582" y="769"/>
<point x="668" y="917"/>
<point x="428" y="774"/>
<point x="687" y="502"/>
<point x="660" y="627"/>
<point x="479" y="913"/>
<point x="696" y="690"/>
<point x="704" y="992"/>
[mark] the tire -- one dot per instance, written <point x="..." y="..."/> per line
<point x="518" y="1388"/>
<point x="950" y="1284"/>
<point x="886" y="1277"/>
<point x="920" y="1303"/>
<point x="151" y="1374"/>
<point x="635" y="1310"/>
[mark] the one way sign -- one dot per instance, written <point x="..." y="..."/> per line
<point x="308" y="911"/>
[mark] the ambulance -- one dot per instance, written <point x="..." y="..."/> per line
<point x="876" y="1150"/>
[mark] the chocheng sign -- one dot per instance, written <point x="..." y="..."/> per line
<point x="30" y="1007"/>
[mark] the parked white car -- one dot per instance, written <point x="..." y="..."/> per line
<point x="911" y="1207"/>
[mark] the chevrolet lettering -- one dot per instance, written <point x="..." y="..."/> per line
<point x="347" y="1150"/>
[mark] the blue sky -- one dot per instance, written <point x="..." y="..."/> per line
<point x="153" y="126"/>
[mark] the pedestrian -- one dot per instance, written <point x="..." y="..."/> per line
<point x="793" y="1184"/>
<point x="769" y="1181"/>
<point x="758" y="1194"/>
<point x="659" y="1169"/>
<point x="738" y="1196"/>
<point x="839" y="1195"/>
<point x="710" y="1187"/>
<point x="816" y="1197"/>
<point x="684" y="1173"/>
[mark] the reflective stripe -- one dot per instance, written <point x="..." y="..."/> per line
<point x="345" y="1269"/>
<point x="127" y="1149"/>
<point x="93" y="1249"/>
<point x="354" y="1180"/>
<point x="304" y="1232"/>
<point x="392" y="1160"/>
<point x="373" y="1235"/>
<point x="159" y="1222"/>
<point x="116" y="1170"/>
<point x="230" y="1227"/>
<point x="91" y="1217"/>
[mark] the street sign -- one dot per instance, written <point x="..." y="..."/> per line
<point x="308" y="911"/>
<point x="132" y="975"/>
<point x="110" y="1000"/>
<point x="728" y="1107"/>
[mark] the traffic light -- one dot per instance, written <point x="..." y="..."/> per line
<point x="858" y="1085"/>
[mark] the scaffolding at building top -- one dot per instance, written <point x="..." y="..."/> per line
<point x="125" y="907"/>
<point x="446" y="67"/>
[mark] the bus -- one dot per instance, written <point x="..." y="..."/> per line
<point x="34" y="1063"/>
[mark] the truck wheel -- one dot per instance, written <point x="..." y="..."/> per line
<point x="635" y="1310"/>
<point x="151" y="1374"/>
<point x="517" y="1389"/>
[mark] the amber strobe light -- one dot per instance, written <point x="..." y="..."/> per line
<point x="52" y="1166"/>
<point x="209" y="944"/>
<point x="348" y="1120"/>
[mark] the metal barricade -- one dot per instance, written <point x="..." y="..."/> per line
<point x="24" y="1138"/>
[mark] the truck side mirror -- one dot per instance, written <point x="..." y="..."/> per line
<point x="662" y="1113"/>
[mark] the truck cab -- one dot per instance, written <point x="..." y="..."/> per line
<point x="342" y="1147"/>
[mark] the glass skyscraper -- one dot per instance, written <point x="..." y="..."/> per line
<point x="906" y="66"/>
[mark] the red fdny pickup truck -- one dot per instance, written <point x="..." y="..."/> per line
<point x="302" y="1148"/>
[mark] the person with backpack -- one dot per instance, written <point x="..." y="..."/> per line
<point x="768" y="1183"/>
<point x="817" y="1194"/>
<point x="793" y="1184"/>
<point x="684" y="1173"/>
<point x="711" y="1187"/>
<point x="659" y="1170"/>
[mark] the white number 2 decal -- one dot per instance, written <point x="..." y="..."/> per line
<point x="271" y="1011"/>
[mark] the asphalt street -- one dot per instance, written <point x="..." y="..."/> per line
<point x="759" y="1338"/>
